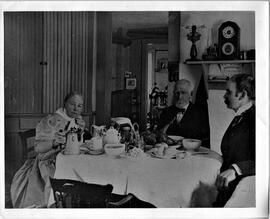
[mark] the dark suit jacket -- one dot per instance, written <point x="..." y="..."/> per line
<point x="238" y="144"/>
<point x="192" y="125"/>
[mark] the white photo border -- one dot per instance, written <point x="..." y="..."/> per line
<point x="261" y="9"/>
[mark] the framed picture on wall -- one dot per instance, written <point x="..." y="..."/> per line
<point x="130" y="83"/>
<point x="162" y="64"/>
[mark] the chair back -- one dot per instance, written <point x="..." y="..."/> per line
<point x="27" y="143"/>
<point x="76" y="194"/>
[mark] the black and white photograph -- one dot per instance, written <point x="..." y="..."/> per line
<point x="158" y="107"/>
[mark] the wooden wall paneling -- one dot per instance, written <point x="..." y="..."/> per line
<point x="57" y="45"/>
<point x="104" y="67"/>
<point x="81" y="70"/>
<point x="23" y="53"/>
<point x="77" y="37"/>
<point x="67" y="38"/>
<point x="56" y="63"/>
<point x="29" y="122"/>
<point x="74" y="49"/>
<point x="62" y="51"/>
<point x="45" y="107"/>
<point x="89" y="61"/>
<point x="47" y="58"/>
<point x="12" y="124"/>
<point x="20" y="88"/>
<point x="59" y="54"/>
<point x="31" y="70"/>
<point x="68" y="46"/>
<point x="11" y="59"/>
<point x="84" y="54"/>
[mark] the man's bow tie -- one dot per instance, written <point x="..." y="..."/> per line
<point x="182" y="110"/>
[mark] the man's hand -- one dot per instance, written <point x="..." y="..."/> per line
<point x="225" y="178"/>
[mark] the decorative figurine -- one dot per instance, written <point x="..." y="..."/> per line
<point x="193" y="36"/>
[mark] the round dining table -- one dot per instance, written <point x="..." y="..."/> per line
<point x="166" y="182"/>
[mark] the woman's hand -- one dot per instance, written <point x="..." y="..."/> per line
<point x="80" y="122"/>
<point x="59" y="138"/>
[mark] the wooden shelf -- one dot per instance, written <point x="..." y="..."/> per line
<point x="217" y="80"/>
<point x="216" y="84"/>
<point x="219" y="84"/>
<point x="219" y="62"/>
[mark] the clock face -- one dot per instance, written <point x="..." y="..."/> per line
<point x="228" y="32"/>
<point x="228" y="48"/>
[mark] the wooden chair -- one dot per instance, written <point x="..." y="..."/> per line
<point x="25" y="136"/>
<point x="76" y="194"/>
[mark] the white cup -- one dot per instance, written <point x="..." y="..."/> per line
<point x="94" y="143"/>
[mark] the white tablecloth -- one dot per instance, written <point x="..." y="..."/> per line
<point x="162" y="182"/>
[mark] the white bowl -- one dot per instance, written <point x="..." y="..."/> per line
<point x="191" y="144"/>
<point x="114" y="149"/>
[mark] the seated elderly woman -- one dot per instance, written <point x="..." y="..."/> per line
<point x="30" y="185"/>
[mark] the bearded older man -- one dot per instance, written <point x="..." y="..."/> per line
<point x="184" y="118"/>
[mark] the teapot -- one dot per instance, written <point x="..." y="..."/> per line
<point x="111" y="136"/>
<point x="73" y="142"/>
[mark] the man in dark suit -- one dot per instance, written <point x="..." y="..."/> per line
<point x="238" y="142"/>
<point x="184" y="118"/>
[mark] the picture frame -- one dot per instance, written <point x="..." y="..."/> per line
<point x="131" y="83"/>
<point x="162" y="64"/>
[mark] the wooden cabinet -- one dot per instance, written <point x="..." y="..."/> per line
<point x="219" y="83"/>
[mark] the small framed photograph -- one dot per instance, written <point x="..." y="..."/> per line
<point x="162" y="64"/>
<point x="130" y="83"/>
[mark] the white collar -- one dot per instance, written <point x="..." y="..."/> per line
<point x="186" y="106"/>
<point x="243" y="108"/>
<point x="62" y="112"/>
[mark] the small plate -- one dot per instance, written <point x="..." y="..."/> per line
<point x="176" y="137"/>
<point x="95" y="152"/>
<point x="153" y="154"/>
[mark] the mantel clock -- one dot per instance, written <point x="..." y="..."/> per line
<point x="229" y="41"/>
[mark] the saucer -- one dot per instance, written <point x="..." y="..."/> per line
<point x="95" y="152"/>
